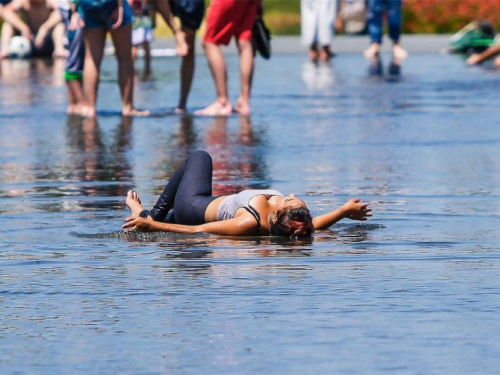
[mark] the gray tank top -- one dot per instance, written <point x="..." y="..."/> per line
<point x="232" y="203"/>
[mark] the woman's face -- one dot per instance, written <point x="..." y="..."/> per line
<point x="290" y="201"/>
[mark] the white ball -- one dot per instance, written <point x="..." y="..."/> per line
<point x="19" y="47"/>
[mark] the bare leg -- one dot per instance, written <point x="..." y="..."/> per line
<point x="372" y="51"/>
<point x="187" y="69"/>
<point x="325" y="54"/>
<point x="313" y="52"/>
<point x="58" y="40"/>
<point x="162" y="7"/>
<point x="122" y="40"/>
<point x="94" y="48"/>
<point x="246" y="75"/>
<point x="134" y="54"/>
<point x="399" y="52"/>
<point x="7" y="33"/>
<point x="217" y="64"/>
<point x="147" y="58"/>
<point x="76" y="98"/>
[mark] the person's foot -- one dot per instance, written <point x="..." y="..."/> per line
<point x="243" y="109"/>
<point x="216" y="109"/>
<point x="399" y="52"/>
<point x="372" y="51"/>
<point x="474" y="59"/>
<point x="89" y="112"/>
<point x="180" y="111"/>
<point x="313" y="55"/>
<point x="134" y="202"/>
<point x="134" y="112"/>
<point x="326" y="54"/>
<point x="76" y="109"/>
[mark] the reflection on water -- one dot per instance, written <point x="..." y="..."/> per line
<point x="376" y="68"/>
<point x="318" y="76"/>
<point x="81" y="296"/>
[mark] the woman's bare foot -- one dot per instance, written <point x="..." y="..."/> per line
<point x="243" y="109"/>
<point x="326" y="54"/>
<point x="89" y="111"/>
<point x="134" y="202"/>
<point x="399" y="52"/>
<point x="134" y="112"/>
<point x="216" y="109"/>
<point x="372" y="51"/>
<point x="77" y="109"/>
<point x="313" y="54"/>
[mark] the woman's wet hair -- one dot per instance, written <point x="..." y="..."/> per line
<point x="293" y="222"/>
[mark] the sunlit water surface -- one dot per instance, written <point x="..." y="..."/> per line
<point x="413" y="290"/>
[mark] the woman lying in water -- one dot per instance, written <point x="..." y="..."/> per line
<point x="248" y="213"/>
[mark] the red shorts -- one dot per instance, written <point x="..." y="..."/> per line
<point x="228" y="18"/>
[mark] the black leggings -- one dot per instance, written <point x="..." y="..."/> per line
<point x="188" y="192"/>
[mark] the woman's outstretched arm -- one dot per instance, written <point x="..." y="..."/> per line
<point x="240" y="226"/>
<point x="350" y="210"/>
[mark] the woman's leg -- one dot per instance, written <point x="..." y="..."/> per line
<point x="122" y="40"/>
<point x="194" y="193"/>
<point x="394" y="21"/>
<point x="94" y="48"/>
<point x="188" y="188"/>
<point x="374" y="19"/>
<point x="187" y="69"/>
<point x="166" y="200"/>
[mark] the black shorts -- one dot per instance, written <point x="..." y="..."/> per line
<point x="190" y="12"/>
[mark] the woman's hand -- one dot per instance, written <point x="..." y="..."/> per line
<point x="117" y="17"/>
<point x="40" y="37"/>
<point x="356" y="211"/>
<point x="75" y="22"/>
<point x="137" y="223"/>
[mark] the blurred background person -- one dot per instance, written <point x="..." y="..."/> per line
<point x="73" y="71"/>
<point x="11" y="19"/>
<point x="317" y="27"/>
<point x="98" y="18"/>
<point x="375" y="27"/>
<point x="227" y="19"/>
<point x="44" y="21"/>
<point x="190" y="13"/>
<point x="142" y="32"/>
<point x="491" y="52"/>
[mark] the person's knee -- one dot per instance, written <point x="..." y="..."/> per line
<point x="200" y="154"/>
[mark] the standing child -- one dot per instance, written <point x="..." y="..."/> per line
<point x="73" y="72"/>
<point x="142" y="32"/>
<point x="98" y="17"/>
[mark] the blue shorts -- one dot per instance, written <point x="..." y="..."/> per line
<point x="97" y="13"/>
<point x="76" y="47"/>
<point x="190" y="12"/>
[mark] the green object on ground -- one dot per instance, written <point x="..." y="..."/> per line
<point x="474" y="37"/>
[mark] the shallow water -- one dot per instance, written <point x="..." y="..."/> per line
<point x="414" y="290"/>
